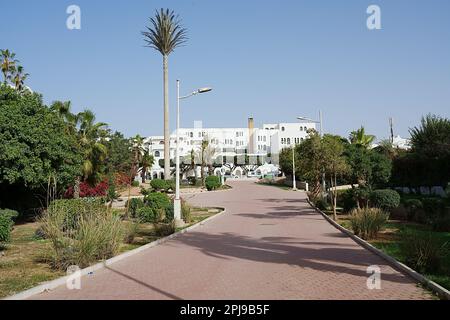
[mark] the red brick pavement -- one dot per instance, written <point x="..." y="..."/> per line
<point x="269" y="245"/>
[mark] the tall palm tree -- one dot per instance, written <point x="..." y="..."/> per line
<point x="19" y="77"/>
<point x="165" y="34"/>
<point x="8" y="64"/>
<point x="93" y="148"/>
<point x="138" y="152"/>
<point x="360" y="138"/>
<point x="147" y="162"/>
<point x="204" y="147"/>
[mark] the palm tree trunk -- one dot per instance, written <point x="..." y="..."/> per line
<point x="144" y="171"/>
<point x="334" y="194"/>
<point x="166" y="119"/>
<point x="76" y="188"/>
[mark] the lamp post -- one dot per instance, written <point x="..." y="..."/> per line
<point x="320" y="121"/>
<point x="177" y="202"/>
<point x="294" y="182"/>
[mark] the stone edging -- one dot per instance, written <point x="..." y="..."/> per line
<point x="431" y="285"/>
<point x="51" y="285"/>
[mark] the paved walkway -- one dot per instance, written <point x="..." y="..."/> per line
<point x="269" y="245"/>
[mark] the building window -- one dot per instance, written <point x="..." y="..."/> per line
<point x="157" y="154"/>
<point x="191" y="135"/>
<point x="288" y="140"/>
<point x="283" y="129"/>
<point x="301" y="128"/>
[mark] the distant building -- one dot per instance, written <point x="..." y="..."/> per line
<point x="258" y="145"/>
<point x="401" y="143"/>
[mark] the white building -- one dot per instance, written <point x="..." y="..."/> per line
<point x="259" y="145"/>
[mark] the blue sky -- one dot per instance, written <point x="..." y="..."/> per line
<point x="273" y="60"/>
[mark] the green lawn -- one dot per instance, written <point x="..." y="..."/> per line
<point x="25" y="261"/>
<point x="389" y="241"/>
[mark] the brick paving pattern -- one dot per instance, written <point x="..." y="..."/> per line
<point x="268" y="245"/>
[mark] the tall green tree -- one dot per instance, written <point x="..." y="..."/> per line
<point x="432" y="138"/>
<point x="165" y="34"/>
<point x="18" y="78"/>
<point x="120" y="155"/>
<point x="147" y="162"/>
<point x="310" y="162"/>
<point x="34" y="148"/>
<point x="335" y="164"/>
<point x="8" y="64"/>
<point x="138" y="151"/>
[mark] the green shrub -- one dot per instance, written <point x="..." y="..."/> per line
<point x="321" y="204"/>
<point x="412" y="206"/>
<point x="435" y="214"/>
<point x="134" y="205"/>
<point x="131" y="231"/>
<point x="347" y="200"/>
<point x="368" y="222"/>
<point x="158" y="184"/>
<point x="84" y="237"/>
<point x="11" y="214"/>
<point x="6" y="224"/>
<point x="422" y="250"/>
<point x="164" y="229"/>
<point x="186" y="212"/>
<point x="135" y="184"/>
<point x="212" y="183"/>
<point x="156" y="205"/>
<point x="385" y="199"/>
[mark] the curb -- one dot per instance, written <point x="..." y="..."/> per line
<point x="431" y="285"/>
<point x="51" y="285"/>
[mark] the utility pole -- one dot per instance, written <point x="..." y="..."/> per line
<point x="391" y="125"/>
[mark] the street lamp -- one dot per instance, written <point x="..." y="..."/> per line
<point x="320" y="121"/>
<point x="294" y="182"/>
<point x="177" y="202"/>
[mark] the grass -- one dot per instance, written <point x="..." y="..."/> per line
<point x="24" y="262"/>
<point x="278" y="185"/>
<point x="389" y="242"/>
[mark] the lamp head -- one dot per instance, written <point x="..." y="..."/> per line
<point x="204" y="90"/>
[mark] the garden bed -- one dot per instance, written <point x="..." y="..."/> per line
<point x="25" y="261"/>
<point x="390" y="242"/>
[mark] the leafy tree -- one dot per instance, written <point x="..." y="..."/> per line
<point x="335" y="163"/>
<point x="358" y="159"/>
<point x="360" y="138"/>
<point x="310" y="161"/>
<point x="120" y="156"/>
<point x="165" y="34"/>
<point x="33" y="147"/>
<point x="432" y="138"/>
